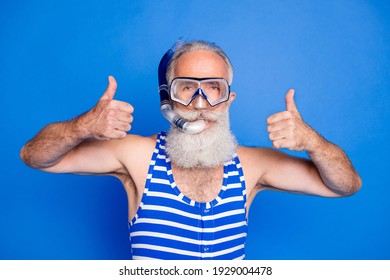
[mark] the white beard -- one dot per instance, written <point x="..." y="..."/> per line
<point x="209" y="148"/>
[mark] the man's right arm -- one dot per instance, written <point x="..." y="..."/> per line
<point x="67" y="146"/>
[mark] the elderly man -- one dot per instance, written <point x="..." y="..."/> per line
<point x="189" y="193"/>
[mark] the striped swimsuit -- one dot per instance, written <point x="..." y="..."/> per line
<point x="169" y="225"/>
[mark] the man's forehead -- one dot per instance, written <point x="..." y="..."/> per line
<point x="201" y="63"/>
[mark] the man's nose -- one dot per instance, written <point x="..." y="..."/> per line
<point x="200" y="102"/>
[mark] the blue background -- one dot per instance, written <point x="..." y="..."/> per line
<point x="55" y="58"/>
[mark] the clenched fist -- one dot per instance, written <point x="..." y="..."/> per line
<point x="288" y="130"/>
<point x="109" y="119"/>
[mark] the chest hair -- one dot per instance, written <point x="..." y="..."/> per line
<point x="199" y="184"/>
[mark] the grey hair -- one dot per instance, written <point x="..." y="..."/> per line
<point x="197" y="46"/>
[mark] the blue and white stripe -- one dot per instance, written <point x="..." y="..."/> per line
<point x="169" y="225"/>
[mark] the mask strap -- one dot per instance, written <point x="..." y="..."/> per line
<point x="165" y="105"/>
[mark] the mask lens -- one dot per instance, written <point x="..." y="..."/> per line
<point x="182" y="90"/>
<point x="216" y="90"/>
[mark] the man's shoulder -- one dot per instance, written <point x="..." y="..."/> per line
<point x="135" y="151"/>
<point x="253" y="155"/>
<point x="134" y="141"/>
<point x="141" y="138"/>
<point x="252" y="150"/>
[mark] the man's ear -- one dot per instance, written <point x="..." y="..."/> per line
<point x="231" y="97"/>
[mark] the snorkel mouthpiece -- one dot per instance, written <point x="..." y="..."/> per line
<point x="191" y="127"/>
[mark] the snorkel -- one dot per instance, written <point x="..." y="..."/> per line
<point x="191" y="127"/>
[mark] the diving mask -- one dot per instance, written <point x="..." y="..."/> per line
<point x="185" y="89"/>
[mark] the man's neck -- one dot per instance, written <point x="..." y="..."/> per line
<point x="199" y="183"/>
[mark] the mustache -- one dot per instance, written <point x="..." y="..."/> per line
<point x="199" y="114"/>
<point x="210" y="148"/>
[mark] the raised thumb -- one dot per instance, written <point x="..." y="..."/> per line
<point x="290" y="103"/>
<point x="111" y="89"/>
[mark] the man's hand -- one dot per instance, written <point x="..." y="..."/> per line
<point x="109" y="119"/>
<point x="288" y="130"/>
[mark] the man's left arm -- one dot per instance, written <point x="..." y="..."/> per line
<point x="328" y="162"/>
